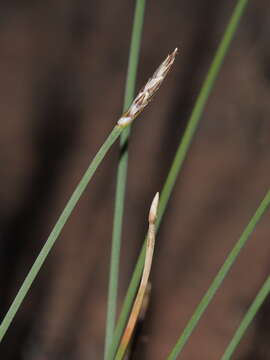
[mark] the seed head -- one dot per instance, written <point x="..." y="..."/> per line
<point x="148" y="91"/>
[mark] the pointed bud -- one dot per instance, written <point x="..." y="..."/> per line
<point x="153" y="209"/>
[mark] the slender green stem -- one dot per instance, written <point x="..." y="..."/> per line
<point x="57" y="230"/>
<point x="122" y="175"/>
<point x="249" y="316"/>
<point x="219" y="278"/>
<point x="179" y="160"/>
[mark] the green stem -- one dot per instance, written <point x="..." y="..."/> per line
<point x="249" y="316"/>
<point x="219" y="278"/>
<point x="179" y="160"/>
<point x="57" y="230"/>
<point x="122" y="175"/>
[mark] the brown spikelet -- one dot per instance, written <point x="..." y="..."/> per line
<point x="148" y="91"/>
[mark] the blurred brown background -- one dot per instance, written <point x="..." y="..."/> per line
<point x="62" y="71"/>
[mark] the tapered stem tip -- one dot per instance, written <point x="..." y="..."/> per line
<point x="153" y="209"/>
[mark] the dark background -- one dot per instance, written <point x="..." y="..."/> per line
<point x="62" y="75"/>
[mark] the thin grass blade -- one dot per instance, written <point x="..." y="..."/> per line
<point x="121" y="177"/>
<point x="222" y="273"/>
<point x="57" y="230"/>
<point x="249" y="316"/>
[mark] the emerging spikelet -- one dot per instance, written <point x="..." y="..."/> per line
<point x="148" y="91"/>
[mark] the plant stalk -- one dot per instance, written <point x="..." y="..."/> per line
<point x="121" y="178"/>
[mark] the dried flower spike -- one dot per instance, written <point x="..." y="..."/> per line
<point x="148" y="91"/>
